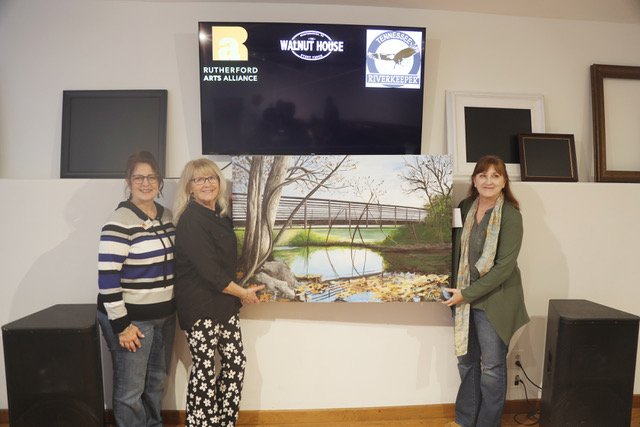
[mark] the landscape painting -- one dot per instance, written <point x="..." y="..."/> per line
<point x="345" y="228"/>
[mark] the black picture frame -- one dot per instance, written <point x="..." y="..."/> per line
<point x="101" y="128"/>
<point x="495" y="131"/>
<point x="600" y="72"/>
<point x="547" y="157"/>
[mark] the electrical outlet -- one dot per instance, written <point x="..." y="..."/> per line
<point x="517" y="358"/>
<point x="515" y="384"/>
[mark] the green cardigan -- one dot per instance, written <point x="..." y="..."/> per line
<point x="499" y="292"/>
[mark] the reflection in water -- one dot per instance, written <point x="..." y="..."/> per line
<point x="332" y="263"/>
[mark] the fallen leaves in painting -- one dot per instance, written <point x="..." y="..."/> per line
<point x="388" y="287"/>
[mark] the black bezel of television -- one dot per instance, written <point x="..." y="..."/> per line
<point x="101" y="128"/>
<point x="284" y="88"/>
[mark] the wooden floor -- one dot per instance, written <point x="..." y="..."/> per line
<point x="507" y="421"/>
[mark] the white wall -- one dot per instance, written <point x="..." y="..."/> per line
<point x="47" y="47"/>
<point x="335" y="355"/>
<point x="580" y="239"/>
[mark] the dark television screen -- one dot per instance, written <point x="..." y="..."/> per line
<point x="281" y="88"/>
<point x="101" y="128"/>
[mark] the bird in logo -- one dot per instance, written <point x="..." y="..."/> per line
<point x="397" y="57"/>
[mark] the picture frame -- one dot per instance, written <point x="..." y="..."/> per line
<point x="547" y="157"/>
<point x="615" y="94"/>
<point x="332" y="241"/>
<point x="480" y="123"/>
<point x="102" y="128"/>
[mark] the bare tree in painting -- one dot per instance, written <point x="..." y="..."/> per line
<point x="430" y="175"/>
<point x="265" y="178"/>
<point x="263" y="195"/>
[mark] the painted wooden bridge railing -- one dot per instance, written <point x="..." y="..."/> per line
<point x="331" y="212"/>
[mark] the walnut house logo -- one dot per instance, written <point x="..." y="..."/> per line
<point x="311" y="45"/>
<point x="394" y="59"/>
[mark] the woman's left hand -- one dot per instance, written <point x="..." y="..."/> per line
<point x="130" y="338"/>
<point x="456" y="297"/>
<point x="251" y="297"/>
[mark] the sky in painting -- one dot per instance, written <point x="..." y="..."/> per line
<point x="382" y="173"/>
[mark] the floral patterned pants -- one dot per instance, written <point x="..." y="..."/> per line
<point x="213" y="401"/>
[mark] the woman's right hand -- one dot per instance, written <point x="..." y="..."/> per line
<point x="456" y="297"/>
<point x="251" y="297"/>
<point x="130" y="338"/>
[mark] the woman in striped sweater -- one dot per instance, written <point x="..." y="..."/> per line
<point x="136" y="308"/>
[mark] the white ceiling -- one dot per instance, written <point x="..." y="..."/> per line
<point x="620" y="11"/>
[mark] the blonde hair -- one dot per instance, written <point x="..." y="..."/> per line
<point x="202" y="167"/>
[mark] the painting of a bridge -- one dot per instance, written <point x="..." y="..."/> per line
<point x="344" y="228"/>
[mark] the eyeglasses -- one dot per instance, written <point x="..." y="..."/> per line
<point x="139" y="179"/>
<point x="202" y="179"/>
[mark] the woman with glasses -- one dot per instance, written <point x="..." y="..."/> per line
<point x="136" y="309"/>
<point x="208" y="299"/>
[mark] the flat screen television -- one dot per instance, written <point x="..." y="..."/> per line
<point x="284" y="88"/>
<point x="101" y="128"/>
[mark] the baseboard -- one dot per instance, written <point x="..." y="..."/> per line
<point x="329" y="416"/>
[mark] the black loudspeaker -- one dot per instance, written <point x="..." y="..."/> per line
<point x="53" y="368"/>
<point x="589" y="367"/>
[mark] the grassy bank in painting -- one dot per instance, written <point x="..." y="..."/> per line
<point x="412" y="234"/>
<point x="410" y="267"/>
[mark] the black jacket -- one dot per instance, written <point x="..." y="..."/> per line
<point x="206" y="260"/>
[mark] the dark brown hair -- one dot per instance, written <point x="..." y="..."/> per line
<point x="483" y="165"/>
<point x="142" y="157"/>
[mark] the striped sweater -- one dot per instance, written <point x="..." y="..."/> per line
<point x="135" y="266"/>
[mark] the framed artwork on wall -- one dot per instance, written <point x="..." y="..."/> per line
<point x="489" y="123"/>
<point x="101" y="128"/>
<point x="344" y="228"/>
<point x="615" y="94"/>
<point x="547" y="157"/>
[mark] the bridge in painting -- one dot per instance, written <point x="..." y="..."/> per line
<point x="329" y="212"/>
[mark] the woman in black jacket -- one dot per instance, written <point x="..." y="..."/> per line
<point x="207" y="297"/>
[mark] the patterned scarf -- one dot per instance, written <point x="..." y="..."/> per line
<point x="484" y="264"/>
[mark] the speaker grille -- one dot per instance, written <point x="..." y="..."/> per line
<point x="53" y="368"/>
<point x="59" y="413"/>
<point x="590" y="359"/>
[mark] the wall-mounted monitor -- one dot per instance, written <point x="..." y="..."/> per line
<point x="284" y="88"/>
<point x="101" y="128"/>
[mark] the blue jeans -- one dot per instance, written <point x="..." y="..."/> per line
<point x="139" y="377"/>
<point x="483" y="371"/>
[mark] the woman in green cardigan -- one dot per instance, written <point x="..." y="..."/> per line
<point x="486" y="293"/>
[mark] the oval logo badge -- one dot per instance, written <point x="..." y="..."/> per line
<point x="312" y="45"/>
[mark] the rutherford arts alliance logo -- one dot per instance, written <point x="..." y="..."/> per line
<point x="228" y="45"/>
<point x="393" y="59"/>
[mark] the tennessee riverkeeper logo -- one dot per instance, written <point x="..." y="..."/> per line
<point x="394" y="59"/>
